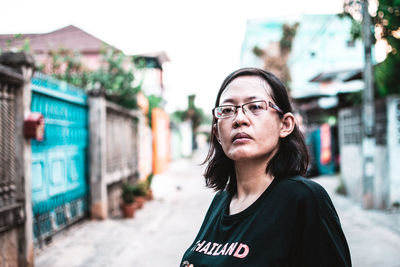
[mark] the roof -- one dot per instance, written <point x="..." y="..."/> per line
<point x="69" y="37"/>
<point x="340" y="75"/>
<point x="154" y="59"/>
<point x="355" y="76"/>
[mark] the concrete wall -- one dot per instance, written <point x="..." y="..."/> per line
<point x="9" y="248"/>
<point x="381" y="179"/>
<point x="386" y="182"/>
<point x="351" y="170"/>
<point x="393" y="140"/>
<point x="145" y="147"/>
<point x="113" y="153"/>
<point x="186" y="131"/>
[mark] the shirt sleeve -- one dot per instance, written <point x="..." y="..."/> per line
<point x="319" y="239"/>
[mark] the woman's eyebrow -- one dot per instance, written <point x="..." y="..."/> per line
<point x="250" y="98"/>
<point x="247" y="99"/>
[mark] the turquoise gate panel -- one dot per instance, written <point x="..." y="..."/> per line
<point x="59" y="162"/>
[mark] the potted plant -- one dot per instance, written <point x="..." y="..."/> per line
<point x="139" y="191"/>
<point x="149" y="193"/>
<point x="128" y="204"/>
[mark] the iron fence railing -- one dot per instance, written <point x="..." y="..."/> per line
<point x="121" y="143"/>
<point x="11" y="210"/>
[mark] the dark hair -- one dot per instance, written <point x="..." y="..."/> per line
<point x="291" y="158"/>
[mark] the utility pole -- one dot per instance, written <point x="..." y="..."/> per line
<point x="368" y="115"/>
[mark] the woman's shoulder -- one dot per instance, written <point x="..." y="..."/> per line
<point x="219" y="199"/>
<point x="309" y="193"/>
<point x="301" y="185"/>
<point x="221" y="196"/>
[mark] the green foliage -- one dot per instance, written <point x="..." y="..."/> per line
<point x="127" y="193"/>
<point x="356" y="30"/>
<point x="154" y="102"/>
<point x="26" y="47"/>
<point x="388" y="71"/>
<point x="288" y="35"/>
<point x="130" y="191"/>
<point x="387" y="18"/>
<point x="289" y="32"/>
<point x="193" y="113"/>
<point x="116" y="79"/>
<point x="387" y="74"/>
<point x="139" y="189"/>
<point x="199" y="118"/>
<point x="178" y="116"/>
<point x="66" y="66"/>
<point x="277" y="64"/>
<point x="352" y="11"/>
<point x="148" y="180"/>
<point x="17" y="38"/>
<point x="113" y="76"/>
<point x="341" y="189"/>
<point x="258" y="51"/>
<point x="355" y="98"/>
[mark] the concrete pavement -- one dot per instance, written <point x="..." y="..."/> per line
<point x="373" y="235"/>
<point x="160" y="233"/>
<point x="157" y="236"/>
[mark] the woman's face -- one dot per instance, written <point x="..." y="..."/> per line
<point x="248" y="136"/>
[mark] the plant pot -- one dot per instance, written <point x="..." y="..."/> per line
<point x="140" y="200"/>
<point x="128" y="210"/>
<point x="149" y="195"/>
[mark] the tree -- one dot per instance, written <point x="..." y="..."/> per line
<point x="23" y="45"/>
<point x="154" y="102"/>
<point x="388" y="71"/>
<point x="195" y="114"/>
<point x="113" y="76"/>
<point x="116" y="79"/>
<point x="386" y="20"/>
<point x="276" y="55"/>
<point x="66" y="65"/>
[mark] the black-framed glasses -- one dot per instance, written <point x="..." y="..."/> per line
<point x="252" y="108"/>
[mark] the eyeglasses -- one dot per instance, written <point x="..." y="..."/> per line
<point x="253" y="108"/>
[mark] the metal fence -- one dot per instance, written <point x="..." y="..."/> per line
<point x="11" y="208"/>
<point x="121" y="152"/>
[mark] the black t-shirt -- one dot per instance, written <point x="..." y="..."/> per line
<point x="292" y="223"/>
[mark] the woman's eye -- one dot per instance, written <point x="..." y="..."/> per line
<point x="227" y="111"/>
<point x="254" y="107"/>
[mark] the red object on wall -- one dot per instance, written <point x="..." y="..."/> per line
<point x="326" y="152"/>
<point x="34" y="126"/>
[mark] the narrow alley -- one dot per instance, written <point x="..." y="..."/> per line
<point x="161" y="232"/>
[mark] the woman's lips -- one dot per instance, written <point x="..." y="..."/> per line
<point x="240" y="137"/>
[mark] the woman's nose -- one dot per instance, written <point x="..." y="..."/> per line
<point x="240" y="118"/>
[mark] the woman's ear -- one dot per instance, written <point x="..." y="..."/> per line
<point x="288" y="123"/>
<point x="215" y="132"/>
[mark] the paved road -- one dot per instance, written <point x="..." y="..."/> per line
<point x="161" y="232"/>
<point x="157" y="236"/>
<point x="373" y="236"/>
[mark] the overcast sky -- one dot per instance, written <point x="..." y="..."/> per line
<point x="202" y="38"/>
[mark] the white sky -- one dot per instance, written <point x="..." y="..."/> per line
<point x="202" y="38"/>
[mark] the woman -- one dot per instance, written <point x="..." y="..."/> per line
<point x="265" y="213"/>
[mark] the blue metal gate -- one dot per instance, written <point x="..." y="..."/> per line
<point x="59" y="162"/>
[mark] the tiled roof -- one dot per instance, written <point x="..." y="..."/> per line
<point x="70" y="38"/>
